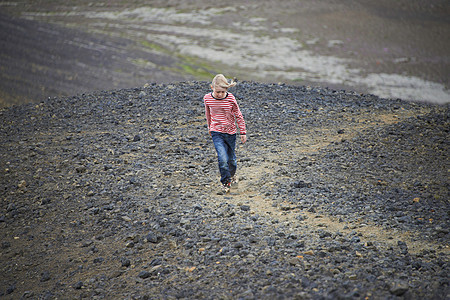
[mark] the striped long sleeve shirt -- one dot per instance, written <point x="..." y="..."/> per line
<point x="223" y="114"/>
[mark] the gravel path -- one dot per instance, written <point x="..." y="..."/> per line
<point x="108" y="195"/>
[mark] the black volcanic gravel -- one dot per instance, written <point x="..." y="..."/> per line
<point x="113" y="195"/>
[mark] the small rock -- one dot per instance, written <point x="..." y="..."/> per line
<point x="78" y="285"/>
<point x="294" y="261"/>
<point x="144" y="274"/>
<point x="45" y="201"/>
<point x="440" y="230"/>
<point x="155" y="270"/>
<point x="239" y="245"/>
<point x="156" y="262"/>
<point x="245" y="207"/>
<point x="45" y="276"/>
<point x="403" y="247"/>
<point x="355" y="239"/>
<point x="142" y="94"/>
<point x="116" y="274"/>
<point x="80" y="169"/>
<point x="301" y="217"/>
<point x="10" y="289"/>
<point x="184" y="221"/>
<point x="125" y="262"/>
<point x="285" y="207"/>
<point x="28" y="294"/>
<point x="98" y="260"/>
<point x="197" y="207"/>
<point x="126" y="218"/>
<point x="87" y="243"/>
<point x="301" y="184"/>
<point x="151" y="238"/>
<point x="323" y="234"/>
<point x="22" y="184"/>
<point x="398" y="288"/>
<point x="352" y="277"/>
<point x="11" y="207"/>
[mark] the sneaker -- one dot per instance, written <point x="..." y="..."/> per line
<point x="225" y="189"/>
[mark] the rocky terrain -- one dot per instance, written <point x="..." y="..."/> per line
<point x="113" y="194"/>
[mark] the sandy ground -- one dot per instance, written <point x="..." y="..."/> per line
<point x="393" y="50"/>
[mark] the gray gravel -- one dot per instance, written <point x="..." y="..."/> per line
<point x="112" y="194"/>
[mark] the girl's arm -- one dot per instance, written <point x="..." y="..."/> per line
<point x="208" y="117"/>
<point x="239" y="118"/>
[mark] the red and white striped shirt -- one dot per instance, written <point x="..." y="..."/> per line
<point x="222" y="114"/>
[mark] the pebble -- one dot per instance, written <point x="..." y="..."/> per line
<point x="126" y="219"/>
<point x="125" y="262"/>
<point x="45" y="276"/>
<point x="245" y="207"/>
<point x="144" y="274"/>
<point x="398" y="288"/>
<point x="78" y="285"/>
<point x="151" y="238"/>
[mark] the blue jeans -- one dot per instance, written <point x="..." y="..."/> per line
<point x="225" y="144"/>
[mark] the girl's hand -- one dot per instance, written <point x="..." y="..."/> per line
<point x="243" y="138"/>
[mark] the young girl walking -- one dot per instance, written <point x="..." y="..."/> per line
<point x="222" y="113"/>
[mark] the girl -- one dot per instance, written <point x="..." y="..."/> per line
<point x="222" y="113"/>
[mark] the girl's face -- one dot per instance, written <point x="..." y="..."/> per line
<point x="219" y="92"/>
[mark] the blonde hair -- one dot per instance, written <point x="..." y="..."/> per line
<point x="220" y="80"/>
